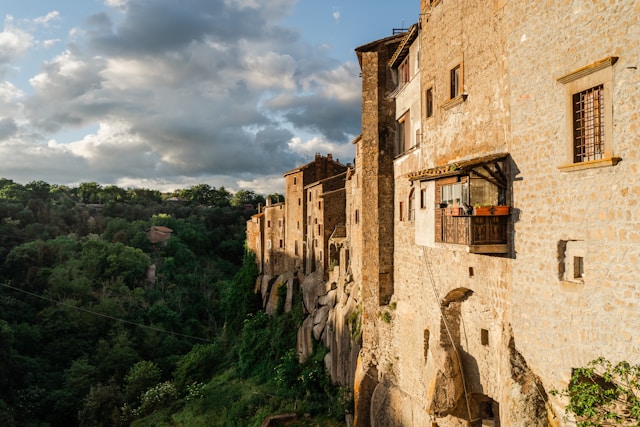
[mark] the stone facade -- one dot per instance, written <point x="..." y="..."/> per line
<point x="481" y="258"/>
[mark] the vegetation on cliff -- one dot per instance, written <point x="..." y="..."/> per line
<point x="90" y="335"/>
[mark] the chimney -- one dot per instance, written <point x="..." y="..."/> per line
<point x="329" y="157"/>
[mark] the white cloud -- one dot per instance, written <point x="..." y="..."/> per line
<point x="336" y="15"/>
<point x="45" y="20"/>
<point x="14" y="42"/>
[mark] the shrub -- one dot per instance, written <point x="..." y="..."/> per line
<point x="604" y="394"/>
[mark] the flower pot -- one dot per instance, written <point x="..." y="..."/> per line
<point x="491" y="210"/>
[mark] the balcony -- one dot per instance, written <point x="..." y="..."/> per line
<point x="480" y="233"/>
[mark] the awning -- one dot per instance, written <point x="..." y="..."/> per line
<point x="490" y="167"/>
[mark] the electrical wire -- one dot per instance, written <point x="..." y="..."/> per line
<point x="85" y="310"/>
<point x="444" y="321"/>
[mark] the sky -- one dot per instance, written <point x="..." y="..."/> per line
<point x="167" y="94"/>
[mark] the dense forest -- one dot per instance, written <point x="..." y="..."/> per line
<point x="103" y="325"/>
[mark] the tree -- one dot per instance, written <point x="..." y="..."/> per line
<point x="89" y="192"/>
<point x="38" y="190"/>
<point x="247" y="197"/>
<point x="604" y="394"/>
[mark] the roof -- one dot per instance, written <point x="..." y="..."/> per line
<point x="161" y="229"/>
<point x="374" y="45"/>
<point x="403" y="49"/>
<point x="460" y="167"/>
<point x="312" y="163"/>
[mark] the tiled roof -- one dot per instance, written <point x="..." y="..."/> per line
<point x="455" y="168"/>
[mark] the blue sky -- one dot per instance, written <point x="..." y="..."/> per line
<point x="166" y="94"/>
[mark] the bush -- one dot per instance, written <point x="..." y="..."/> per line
<point x="604" y="394"/>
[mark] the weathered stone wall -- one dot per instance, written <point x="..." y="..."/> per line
<point x="274" y="235"/>
<point x="559" y="325"/>
<point x="444" y="350"/>
<point x="296" y="225"/>
<point x="254" y="237"/>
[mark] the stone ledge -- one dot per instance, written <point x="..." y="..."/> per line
<point x="601" y="163"/>
<point x="454" y="101"/>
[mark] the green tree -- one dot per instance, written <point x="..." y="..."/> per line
<point x="247" y="197"/>
<point x="141" y="377"/>
<point x="38" y="190"/>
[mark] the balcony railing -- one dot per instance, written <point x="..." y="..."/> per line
<point x="480" y="233"/>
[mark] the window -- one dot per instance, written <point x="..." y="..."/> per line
<point x="588" y="124"/>
<point x="589" y="116"/>
<point x="426" y="334"/>
<point x="411" y="204"/>
<point x="357" y="216"/>
<point x="279" y="223"/>
<point x="269" y="224"/>
<point x="400" y="211"/>
<point x="403" y="134"/>
<point x="319" y="205"/>
<point x="298" y="225"/>
<point x="423" y="198"/>
<point x="295" y="247"/>
<point x="572" y="260"/>
<point x="578" y="267"/>
<point x="405" y="73"/>
<point x="281" y="243"/>
<point x="319" y="229"/>
<point x="295" y="180"/>
<point x="455" y="80"/>
<point x="455" y="194"/>
<point x="484" y="336"/>
<point x="299" y="201"/>
<point x="428" y="102"/>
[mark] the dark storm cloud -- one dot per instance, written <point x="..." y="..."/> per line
<point x="157" y="26"/>
<point x="337" y="121"/>
<point x="191" y="89"/>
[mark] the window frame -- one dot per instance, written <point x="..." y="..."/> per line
<point x="455" y="81"/>
<point x="594" y="75"/>
<point x="428" y="102"/>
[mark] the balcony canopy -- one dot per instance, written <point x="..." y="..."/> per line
<point x="489" y="167"/>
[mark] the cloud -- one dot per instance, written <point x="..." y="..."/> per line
<point x="182" y="92"/>
<point x="14" y="42"/>
<point x="336" y="15"/>
<point x="45" y="20"/>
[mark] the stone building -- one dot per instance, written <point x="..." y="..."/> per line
<point x="491" y="239"/>
<point x="325" y="212"/>
<point x="296" y="182"/>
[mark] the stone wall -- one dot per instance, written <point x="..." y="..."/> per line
<point x="558" y="324"/>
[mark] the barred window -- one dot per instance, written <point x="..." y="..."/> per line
<point x="588" y="124"/>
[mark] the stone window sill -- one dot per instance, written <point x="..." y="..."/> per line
<point x="454" y="101"/>
<point x="610" y="161"/>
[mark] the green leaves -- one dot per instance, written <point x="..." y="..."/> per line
<point x="604" y="394"/>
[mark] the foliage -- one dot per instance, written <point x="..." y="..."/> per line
<point x="88" y="338"/>
<point x="604" y="394"/>
<point x="198" y="365"/>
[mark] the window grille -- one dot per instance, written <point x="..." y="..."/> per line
<point x="588" y="124"/>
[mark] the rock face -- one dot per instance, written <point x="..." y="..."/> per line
<point x="333" y="317"/>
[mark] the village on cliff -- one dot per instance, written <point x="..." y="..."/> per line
<point x="485" y="240"/>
